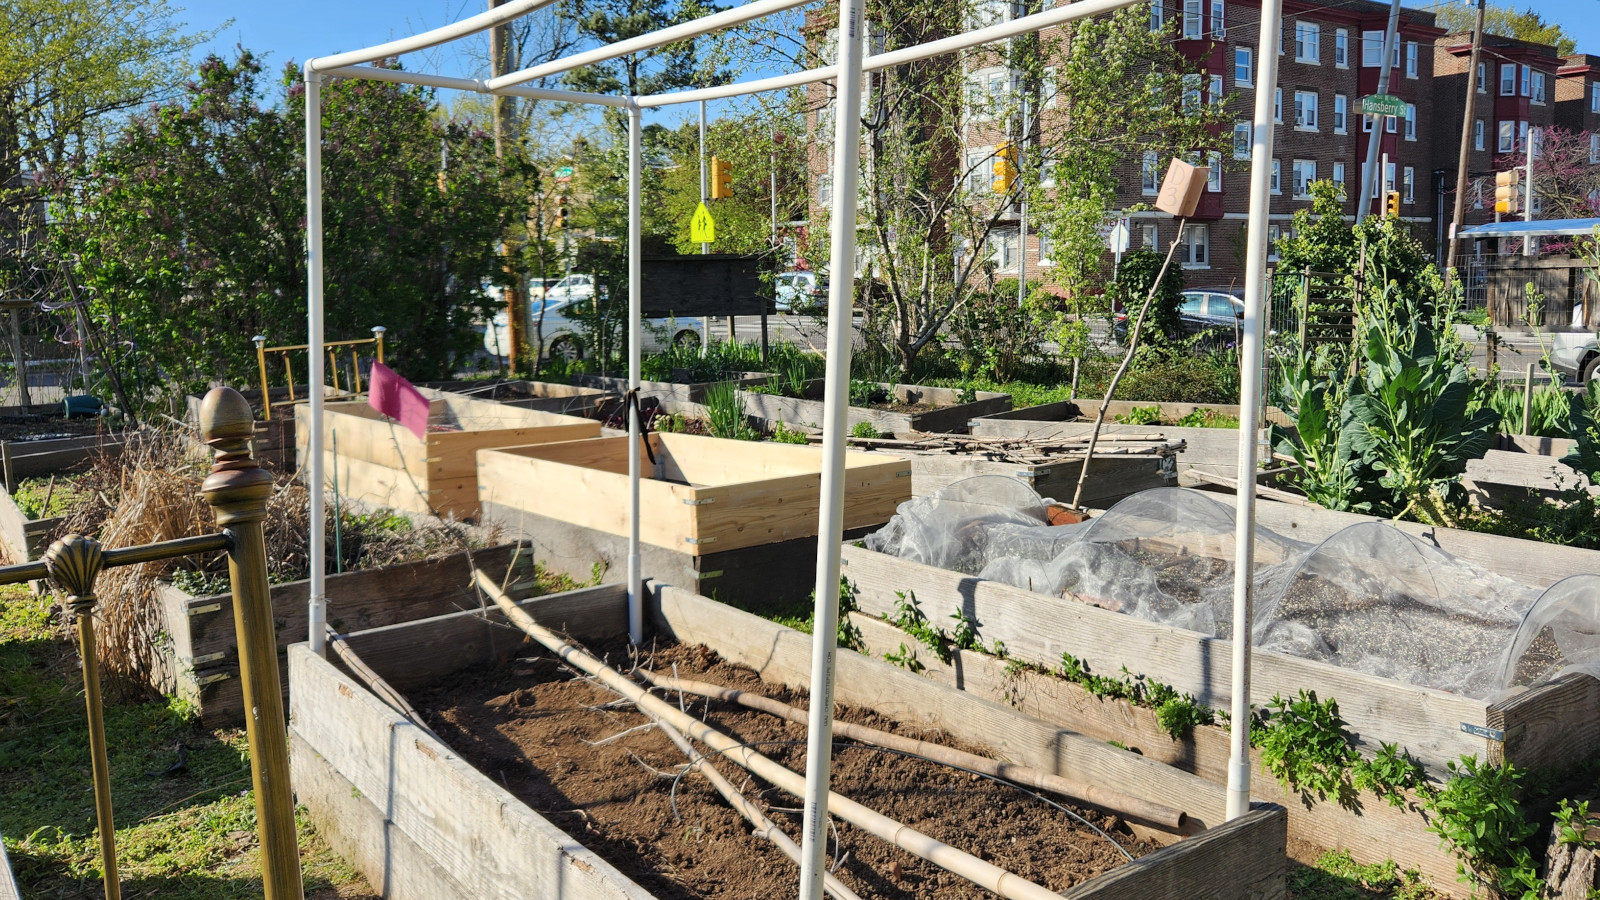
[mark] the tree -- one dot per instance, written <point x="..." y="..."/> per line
<point x="758" y="145"/>
<point x="1566" y="184"/>
<point x="189" y="227"/>
<point x="665" y="68"/>
<point x="1506" y="21"/>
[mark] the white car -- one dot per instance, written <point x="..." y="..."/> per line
<point x="800" y="290"/>
<point x="572" y="287"/>
<point x="563" y="337"/>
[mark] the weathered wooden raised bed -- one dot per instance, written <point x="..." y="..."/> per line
<point x="200" y="660"/>
<point x="8" y="882"/>
<point x="24" y="538"/>
<point x="380" y="462"/>
<point x="1523" y="467"/>
<point x="421" y="823"/>
<point x="669" y="392"/>
<point x="1211" y="450"/>
<point x="944" y="413"/>
<point x="544" y="396"/>
<point x="32" y="458"/>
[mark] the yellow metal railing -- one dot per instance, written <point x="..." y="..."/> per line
<point x="333" y="349"/>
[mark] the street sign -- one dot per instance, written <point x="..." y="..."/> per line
<point x="702" y="228"/>
<point x="564" y="173"/>
<point x="1381" y="105"/>
<point x="1117" y="240"/>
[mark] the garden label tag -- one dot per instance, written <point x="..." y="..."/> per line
<point x="702" y="228"/>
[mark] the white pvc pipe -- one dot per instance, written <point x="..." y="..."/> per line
<point x="836" y="399"/>
<point x="401" y="76"/>
<point x="317" y="614"/>
<point x="1024" y="25"/>
<point x="1255" y="275"/>
<point x="635" y="295"/>
<point x="703" y="25"/>
<point x="480" y="22"/>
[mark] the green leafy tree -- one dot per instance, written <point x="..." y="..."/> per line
<point x="1138" y="271"/>
<point x="759" y="144"/>
<point x="1506" y="21"/>
<point x="681" y="64"/>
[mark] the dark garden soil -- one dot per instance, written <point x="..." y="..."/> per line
<point x="43" y="428"/>
<point x="526" y="725"/>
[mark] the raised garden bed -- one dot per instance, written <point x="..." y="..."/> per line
<point x="668" y="392"/>
<point x="897" y="409"/>
<point x="199" y="662"/>
<point x="47" y="454"/>
<point x="382" y="463"/>
<point x="544" y="396"/>
<point x="8" y="882"/>
<point x="24" y="533"/>
<point x="1523" y="468"/>
<point x="410" y="812"/>
<point x="1211" y="450"/>
<point x="704" y="495"/>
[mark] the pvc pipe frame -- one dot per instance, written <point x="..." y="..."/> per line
<point x="1250" y="388"/>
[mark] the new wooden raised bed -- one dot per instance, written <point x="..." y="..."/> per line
<point x="909" y="408"/>
<point x="421" y="823"/>
<point x="1211" y="450"/>
<point x="382" y="463"/>
<point x="668" y="392"/>
<point x="200" y="660"/>
<point x="544" y="396"/>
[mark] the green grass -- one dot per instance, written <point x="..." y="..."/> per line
<point x="1338" y="877"/>
<point x="190" y="836"/>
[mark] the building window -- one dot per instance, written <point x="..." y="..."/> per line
<point x="1483" y="78"/>
<point x="1219" y="27"/>
<point x="1594" y="98"/>
<point x="1338" y="175"/>
<point x="984" y="13"/>
<point x="1341" y="113"/>
<point x="1158" y="15"/>
<point x="1508" y="137"/>
<point x="1150" y="237"/>
<point x="1538" y="87"/>
<point x="1046" y="248"/>
<point x="1408" y="185"/>
<point x="1277" y="176"/>
<point x="825" y="190"/>
<point x="1366" y="124"/>
<point x="1305" y="172"/>
<point x="1242" y="140"/>
<point x="1243" y="67"/>
<point x="1371" y="49"/>
<point x="1215" y="95"/>
<point x="980" y="170"/>
<point x="1191" y="91"/>
<point x="1195" y="249"/>
<point x="1411" y="59"/>
<point x="1274" y="235"/>
<point x="1307" y="42"/>
<point x="1003" y="248"/>
<point x="1049" y="88"/>
<point x="1341" y="48"/>
<point x="1411" y="121"/>
<point x="1047" y="165"/>
<point x="1277" y="106"/>
<point x="1391" y="124"/>
<point x="1192" y="26"/>
<point x="1527" y="82"/>
<point x="1150" y="173"/>
<point x="1594" y="148"/>
<point x="1305" y="110"/>
<point x="1477" y="135"/>
<point x="1214" y="172"/>
<point x="1508" y="79"/>
<point x="1522" y="134"/>
<point x="988" y="91"/>
<point x="1388" y="177"/>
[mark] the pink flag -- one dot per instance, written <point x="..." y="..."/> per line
<point x="398" y="399"/>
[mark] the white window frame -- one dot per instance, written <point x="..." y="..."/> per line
<point x="1308" y="43"/>
<point x="1539" y="88"/>
<point x="1214" y="90"/>
<point x="1192" y="88"/>
<point x="1338" y="175"/>
<point x="1483" y="78"/>
<point x="1244" y="75"/>
<point x="825" y="190"/>
<point x="1003" y="249"/>
<point x="983" y="13"/>
<point x="1522" y="135"/>
<point x="1276" y="184"/>
<point x="1506" y="129"/>
<point x="1046" y="155"/>
<point x="1195" y="253"/>
<point x="1219" y="19"/>
<point x="1305" y="110"/>
<point x="980" y="170"/>
<point x="1411" y="121"/>
<point x="1372" y="49"/>
<point x="1389" y="176"/>
<point x="1594" y="147"/>
<point x="1158" y="15"/>
<point x="1526" y="81"/>
<point x="1508" y="79"/>
<point x="1478" y="132"/>
<point x="1341" y="114"/>
<point x="1274" y="234"/>
<point x="1049" y="88"/>
<point x="1594" y="97"/>
<point x="1408" y="185"/>
<point x="1193" y="14"/>
<point x="1304" y="172"/>
<point x="1150" y="236"/>
<point x="1150" y="173"/>
<point x="1412" y="55"/>
<point x="1391" y="124"/>
<point x="1045" y="247"/>
<point x="1341" y="48"/>
<point x="1246" y="130"/>
<point x="1214" y="172"/>
<point x="1277" y="106"/>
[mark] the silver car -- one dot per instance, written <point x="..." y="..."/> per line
<point x="563" y="337"/>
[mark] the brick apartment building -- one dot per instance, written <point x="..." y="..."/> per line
<point x="1331" y="55"/>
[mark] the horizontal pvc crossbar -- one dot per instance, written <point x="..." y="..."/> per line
<point x="702" y="25"/>
<point x="400" y="76"/>
<point x="445" y="33"/>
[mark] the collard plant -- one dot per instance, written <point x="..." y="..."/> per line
<point x="1329" y="467"/>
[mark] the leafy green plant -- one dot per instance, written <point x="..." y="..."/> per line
<point x="1549" y="412"/>
<point x="1207" y="418"/>
<point x="1304" y="745"/>
<point x="863" y="429"/>
<point x="905" y="658"/>
<point x="725" y="413"/>
<point x="865" y="393"/>
<point x="1177" y="713"/>
<point x="1337" y="876"/>
<point x="1141" y="415"/>
<point x="1479" y="816"/>
<point x="1390" y="773"/>
<point x="908" y="617"/>
<point x="1573" y="822"/>
<point x="786" y="435"/>
<point x="965" y="635"/>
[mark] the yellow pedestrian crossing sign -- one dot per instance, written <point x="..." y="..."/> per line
<point x="702" y="228"/>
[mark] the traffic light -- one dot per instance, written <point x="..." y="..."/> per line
<point x="1005" y="167"/>
<point x="561" y="211"/>
<point x="721" y="179"/>
<point x="1508" y="192"/>
<point x="1391" y="204"/>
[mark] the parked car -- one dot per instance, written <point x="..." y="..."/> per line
<point x="1577" y="357"/>
<point x="799" y="291"/>
<point x="563" y="337"/>
<point x="572" y="287"/>
<point x="1214" y="312"/>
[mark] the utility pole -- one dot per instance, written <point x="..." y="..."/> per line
<point x="516" y="307"/>
<point x="1385" y="66"/>
<point x="1466" y="145"/>
<point x="1527" y="187"/>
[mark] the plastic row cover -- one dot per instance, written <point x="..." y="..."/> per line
<point x="1370" y="597"/>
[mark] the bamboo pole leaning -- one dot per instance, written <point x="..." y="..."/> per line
<point x="1143" y="811"/>
<point x="956" y="861"/>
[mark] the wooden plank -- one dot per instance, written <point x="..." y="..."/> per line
<point x="1554" y="725"/>
<point x="23" y="537"/>
<point x="1069" y="412"/>
<point x="36" y="459"/>
<point x="1372" y="832"/>
<point x="473" y="829"/>
<point x="1238" y="860"/>
<point x="1111" y="478"/>
<point x="1039" y="628"/>
<point x="951" y="418"/>
<point x="9" y="890"/>
<point x="584" y="495"/>
<point x="357" y="831"/>
<point x="665" y="390"/>
<point x="783" y="656"/>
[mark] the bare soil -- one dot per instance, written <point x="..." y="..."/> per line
<point x="526" y="725"/>
<point x="41" y="427"/>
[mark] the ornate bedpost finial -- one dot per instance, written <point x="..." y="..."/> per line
<point x="74" y="563"/>
<point x="237" y="487"/>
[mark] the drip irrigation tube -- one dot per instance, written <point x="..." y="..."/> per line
<point x="1143" y="811"/>
<point x="984" y="874"/>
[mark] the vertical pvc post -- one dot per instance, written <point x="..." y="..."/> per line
<point x="1527" y="194"/>
<point x="317" y="614"/>
<point x="830" y="524"/>
<point x="635" y="295"/>
<point x="1250" y="390"/>
<point x="705" y="248"/>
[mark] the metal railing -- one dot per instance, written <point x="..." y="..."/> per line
<point x="333" y="348"/>
<point x="237" y="489"/>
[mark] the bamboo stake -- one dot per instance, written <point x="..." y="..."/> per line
<point x="1133" y="345"/>
<point x="1527" y="397"/>
<point x="959" y="862"/>
<point x="1125" y="805"/>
